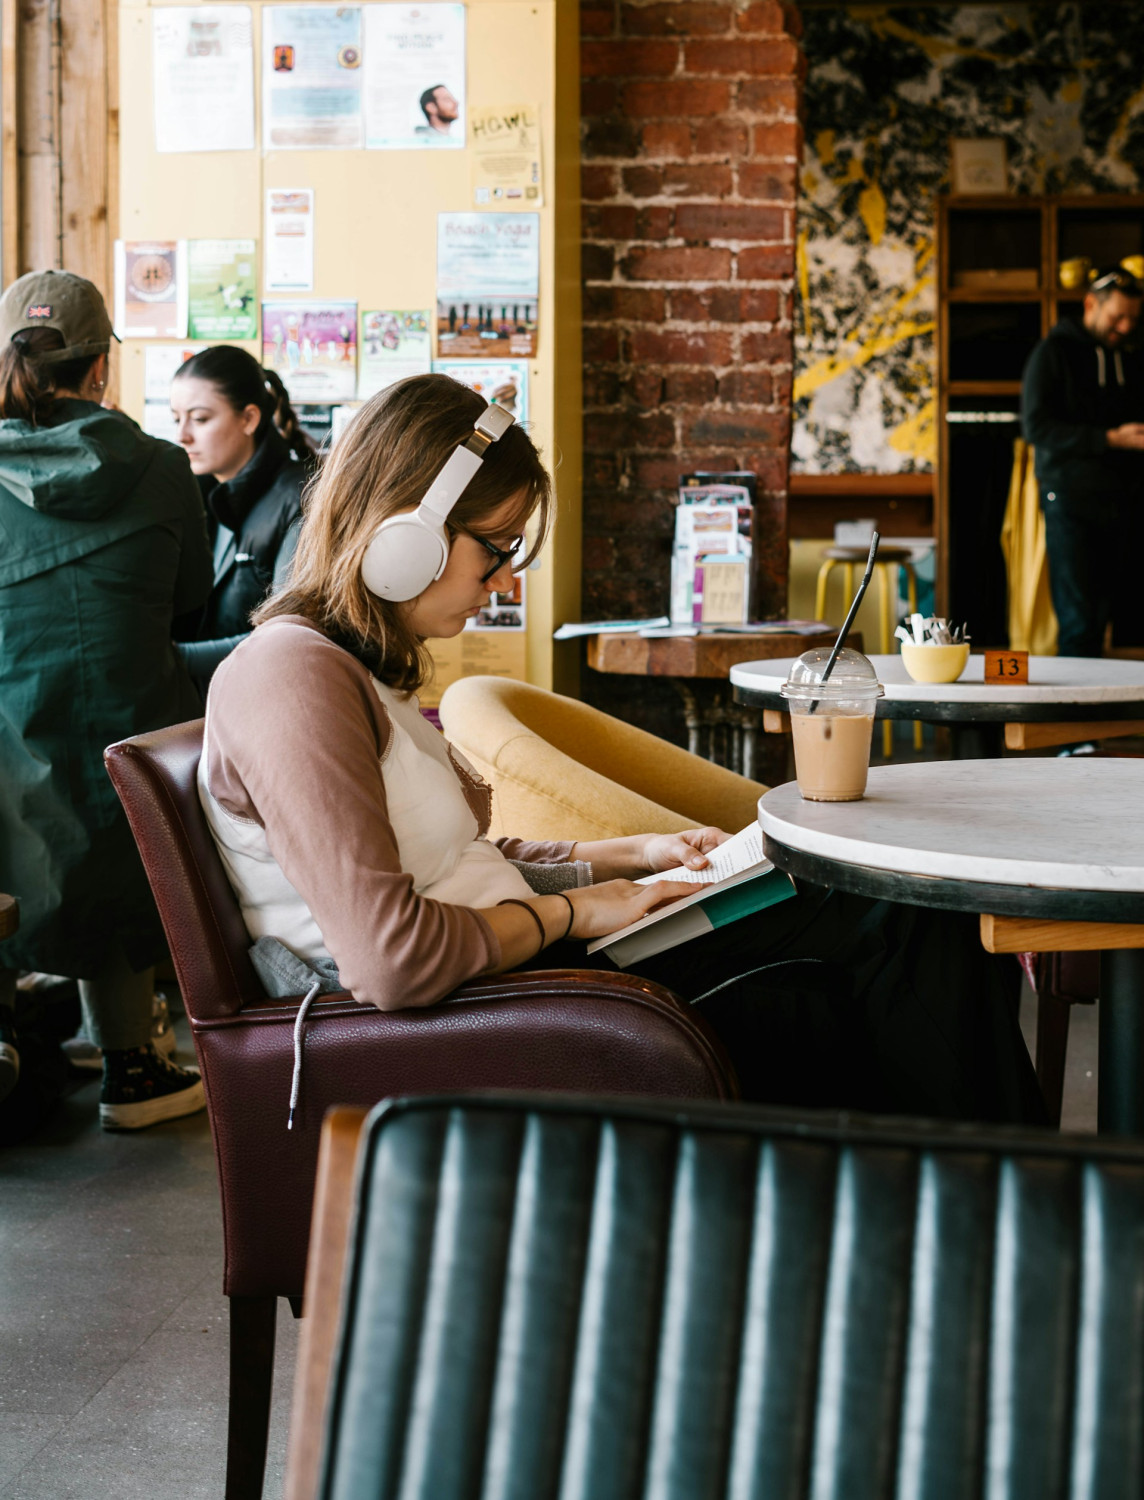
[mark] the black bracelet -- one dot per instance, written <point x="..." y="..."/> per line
<point x="571" y="914"/>
<point x="533" y="913"/>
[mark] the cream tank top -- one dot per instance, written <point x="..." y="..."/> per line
<point x="437" y="836"/>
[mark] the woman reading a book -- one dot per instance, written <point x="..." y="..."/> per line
<point x="355" y="836"/>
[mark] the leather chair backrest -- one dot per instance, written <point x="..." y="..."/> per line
<point x="154" y="775"/>
<point x="592" y="1299"/>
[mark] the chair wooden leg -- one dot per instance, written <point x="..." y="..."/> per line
<point x="252" y="1328"/>
<point x="1052" y="1044"/>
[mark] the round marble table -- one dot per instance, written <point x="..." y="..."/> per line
<point x="1056" y="839"/>
<point x="1061" y="689"/>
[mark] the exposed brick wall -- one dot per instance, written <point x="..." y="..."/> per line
<point x="690" y="155"/>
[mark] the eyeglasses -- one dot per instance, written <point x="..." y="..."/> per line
<point x="503" y="555"/>
<point x="1121" y="280"/>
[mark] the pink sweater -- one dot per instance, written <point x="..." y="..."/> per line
<point x="293" y="783"/>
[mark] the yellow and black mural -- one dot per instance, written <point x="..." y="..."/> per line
<point x="887" y="87"/>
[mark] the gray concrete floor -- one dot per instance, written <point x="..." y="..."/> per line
<point x="113" y="1325"/>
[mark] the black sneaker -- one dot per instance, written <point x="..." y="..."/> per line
<point x="141" y="1088"/>
<point x="9" y="1059"/>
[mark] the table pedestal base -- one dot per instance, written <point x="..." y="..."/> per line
<point x="1120" y="1106"/>
<point x="976" y="741"/>
<point x="721" y="731"/>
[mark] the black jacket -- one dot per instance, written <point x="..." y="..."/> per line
<point x="1074" y="391"/>
<point x="253" y="521"/>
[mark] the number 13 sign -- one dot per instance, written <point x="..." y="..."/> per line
<point x="1006" y="668"/>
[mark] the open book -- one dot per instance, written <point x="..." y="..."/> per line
<point x="737" y="881"/>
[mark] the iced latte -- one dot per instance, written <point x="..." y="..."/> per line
<point x="832" y="721"/>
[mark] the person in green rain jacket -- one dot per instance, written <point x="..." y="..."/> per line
<point x="102" y="544"/>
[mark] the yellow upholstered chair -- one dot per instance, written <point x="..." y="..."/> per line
<point x="562" y="770"/>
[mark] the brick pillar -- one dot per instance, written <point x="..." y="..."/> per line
<point x="690" y="156"/>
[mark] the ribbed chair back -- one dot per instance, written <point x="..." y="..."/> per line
<point x="609" y="1300"/>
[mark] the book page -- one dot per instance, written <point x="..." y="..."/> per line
<point x="740" y="852"/>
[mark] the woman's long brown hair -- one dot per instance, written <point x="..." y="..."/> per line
<point x="28" y="387"/>
<point x="383" y="462"/>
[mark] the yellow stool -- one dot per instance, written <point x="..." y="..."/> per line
<point x="890" y="559"/>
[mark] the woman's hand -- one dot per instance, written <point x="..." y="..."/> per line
<point x="598" y="910"/>
<point x="667" y="851"/>
<point x="649" y="853"/>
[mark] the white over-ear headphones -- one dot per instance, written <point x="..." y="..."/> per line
<point x="407" y="553"/>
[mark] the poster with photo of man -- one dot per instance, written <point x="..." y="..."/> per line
<point x="415" y="77"/>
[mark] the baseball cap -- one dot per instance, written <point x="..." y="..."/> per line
<point x="57" y="299"/>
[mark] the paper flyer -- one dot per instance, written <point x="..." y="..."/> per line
<point x="488" y="283"/>
<point x="393" y="345"/>
<point x="504" y="156"/>
<point x="203" y="62"/>
<point x="151" y="289"/>
<point x="502" y="383"/>
<point x="311" y="78"/>
<point x="221" y="291"/>
<point x="415" y="77"/>
<point x="313" y="346"/>
<point x="475" y="653"/>
<point x="288" y="246"/>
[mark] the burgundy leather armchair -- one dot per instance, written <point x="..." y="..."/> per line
<point x="569" y="1030"/>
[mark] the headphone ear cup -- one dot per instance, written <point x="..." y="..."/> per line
<point x="405" y="556"/>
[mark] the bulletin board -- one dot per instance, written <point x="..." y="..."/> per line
<point x="375" y="244"/>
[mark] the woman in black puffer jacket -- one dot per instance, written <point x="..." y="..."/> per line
<point x="252" y="460"/>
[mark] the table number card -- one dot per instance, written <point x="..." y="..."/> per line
<point x="1006" y="668"/>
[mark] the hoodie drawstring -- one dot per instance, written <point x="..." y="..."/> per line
<point x="1119" y="367"/>
<point x="1100" y="366"/>
<point x="300" y="1021"/>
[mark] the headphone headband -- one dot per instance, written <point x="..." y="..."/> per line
<point x="408" y="553"/>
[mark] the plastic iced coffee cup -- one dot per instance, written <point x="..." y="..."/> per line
<point x="832" y="723"/>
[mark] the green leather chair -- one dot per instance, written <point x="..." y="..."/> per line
<point x="608" y="1299"/>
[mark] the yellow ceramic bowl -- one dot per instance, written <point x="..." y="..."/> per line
<point x="935" y="663"/>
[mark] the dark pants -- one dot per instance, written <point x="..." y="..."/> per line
<point x="1093" y="548"/>
<point x="836" y="1001"/>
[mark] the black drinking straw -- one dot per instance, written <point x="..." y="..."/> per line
<point x="854" y="603"/>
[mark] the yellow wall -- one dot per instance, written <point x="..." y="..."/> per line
<point x="376" y="233"/>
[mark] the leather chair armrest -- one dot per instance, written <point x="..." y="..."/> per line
<point x="562" y="1030"/>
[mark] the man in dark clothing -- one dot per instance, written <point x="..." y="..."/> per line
<point x="1083" y="412"/>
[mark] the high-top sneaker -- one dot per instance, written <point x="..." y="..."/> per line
<point x="141" y="1088"/>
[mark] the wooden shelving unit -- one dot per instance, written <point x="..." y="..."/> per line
<point x="985" y="333"/>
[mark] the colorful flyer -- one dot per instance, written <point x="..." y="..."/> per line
<point x="393" y="345"/>
<point x="221" y="291"/>
<point x="502" y="383"/>
<point x="313" y="346"/>
<point x="311" y="78"/>
<point x="203" y="60"/>
<point x="488" y="285"/>
<point x="504" y="156"/>
<point x="288" y="246"/>
<point x="151" y="289"/>
<point x="415" y="77"/>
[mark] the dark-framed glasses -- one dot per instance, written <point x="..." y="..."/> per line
<point x="502" y="555"/>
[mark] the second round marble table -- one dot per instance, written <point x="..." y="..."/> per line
<point x="1061" y="689"/>
<point x="1048" y="839"/>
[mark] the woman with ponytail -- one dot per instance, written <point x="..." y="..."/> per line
<point x="252" y="460"/>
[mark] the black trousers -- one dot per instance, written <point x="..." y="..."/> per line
<point x="837" y="1001"/>
<point x="1094" y="549"/>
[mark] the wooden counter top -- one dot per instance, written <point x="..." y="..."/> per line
<point x="696" y="655"/>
